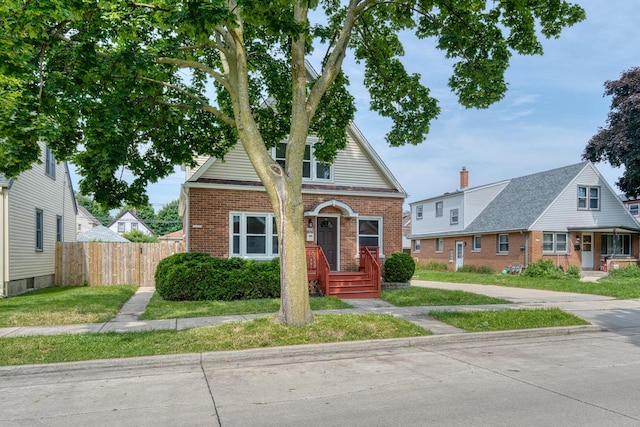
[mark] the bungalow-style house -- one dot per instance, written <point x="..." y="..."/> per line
<point x="353" y="204"/>
<point x="569" y="215"/>
<point x="101" y="234"/>
<point x="128" y="221"/>
<point x="37" y="209"/>
<point x="85" y="220"/>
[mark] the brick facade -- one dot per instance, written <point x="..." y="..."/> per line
<point x="209" y="219"/>
<point x="488" y="256"/>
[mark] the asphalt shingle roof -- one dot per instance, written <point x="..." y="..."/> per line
<point x="100" y="234"/>
<point x="523" y="200"/>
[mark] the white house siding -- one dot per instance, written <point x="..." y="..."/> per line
<point x="564" y="211"/>
<point x="35" y="190"/>
<point x="129" y="219"/>
<point x="430" y="223"/>
<point x="477" y="199"/>
<point x="189" y="171"/>
<point x="352" y="167"/>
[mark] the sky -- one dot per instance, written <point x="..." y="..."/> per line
<point x="554" y="105"/>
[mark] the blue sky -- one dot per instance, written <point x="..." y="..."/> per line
<point x="554" y="105"/>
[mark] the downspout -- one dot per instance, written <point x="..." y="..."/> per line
<point x="526" y="249"/>
<point x="185" y="220"/>
<point x="4" y="242"/>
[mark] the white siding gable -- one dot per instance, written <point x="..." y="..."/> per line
<point x="477" y="199"/>
<point x="564" y="212"/>
<point x="430" y="223"/>
<point x="127" y="222"/>
<point x="353" y="167"/>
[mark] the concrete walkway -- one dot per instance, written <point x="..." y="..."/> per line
<point x="604" y="312"/>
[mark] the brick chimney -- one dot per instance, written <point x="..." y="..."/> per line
<point x="464" y="178"/>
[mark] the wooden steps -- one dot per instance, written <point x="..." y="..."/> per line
<point x="351" y="285"/>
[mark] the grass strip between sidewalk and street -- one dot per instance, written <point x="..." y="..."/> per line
<point x="64" y="305"/>
<point x="416" y="296"/>
<point x="611" y="286"/>
<point x="263" y="332"/>
<point x="507" y="319"/>
<point x="159" y="308"/>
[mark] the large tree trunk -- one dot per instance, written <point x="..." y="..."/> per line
<point x="294" y="299"/>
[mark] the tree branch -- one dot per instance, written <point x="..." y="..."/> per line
<point x="183" y="63"/>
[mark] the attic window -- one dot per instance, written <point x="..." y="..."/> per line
<point x="312" y="169"/>
<point x="588" y="198"/>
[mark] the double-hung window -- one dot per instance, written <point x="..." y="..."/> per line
<point x="121" y="228"/>
<point x="439" y="244"/>
<point x="439" y="208"/>
<point x="369" y="232"/>
<point x="419" y="212"/>
<point x="312" y="169"/>
<point x="555" y="242"/>
<point x="416" y="246"/>
<point x="453" y="216"/>
<point x="503" y="243"/>
<point x="477" y="243"/>
<point x="634" y="209"/>
<point x="39" y="230"/>
<point x="50" y="164"/>
<point x="588" y="198"/>
<point x="253" y="235"/>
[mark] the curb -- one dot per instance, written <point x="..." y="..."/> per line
<point x="259" y="354"/>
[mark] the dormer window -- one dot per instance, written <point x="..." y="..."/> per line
<point x="312" y="169"/>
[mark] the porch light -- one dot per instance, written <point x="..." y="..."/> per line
<point x="310" y="224"/>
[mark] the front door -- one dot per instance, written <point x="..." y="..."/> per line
<point x="587" y="250"/>
<point x="459" y="255"/>
<point x="328" y="239"/>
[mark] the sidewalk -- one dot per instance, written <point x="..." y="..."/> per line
<point x="604" y="312"/>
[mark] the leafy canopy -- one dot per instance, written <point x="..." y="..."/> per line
<point x="121" y="87"/>
<point x="619" y="142"/>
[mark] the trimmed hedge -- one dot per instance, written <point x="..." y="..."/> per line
<point x="197" y="276"/>
<point x="399" y="267"/>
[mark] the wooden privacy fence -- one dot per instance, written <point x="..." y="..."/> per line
<point x="95" y="264"/>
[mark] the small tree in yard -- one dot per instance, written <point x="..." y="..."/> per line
<point x="117" y="85"/>
<point x="619" y="142"/>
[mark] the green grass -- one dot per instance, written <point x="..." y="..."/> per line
<point x="65" y="305"/>
<point x="503" y="320"/>
<point x="257" y="333"/>
<point x="416" y="296"/>
<point x="622" y="288"/>
<point x="159" y="308"/>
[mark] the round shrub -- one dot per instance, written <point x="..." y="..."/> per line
<point x="399" y="267"/>
<point x="169" y="262"/>
<point x="258" y="279"/>
<point x="543" y="268"/>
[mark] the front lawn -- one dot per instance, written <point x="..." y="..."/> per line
<point x="257" y="333"/>
<point x="416" y="296"/>
<point x="504" y="320"/>
<point x="621" y="288"/>
<point x="159" y="308"/>
<point x="64" y="305"/>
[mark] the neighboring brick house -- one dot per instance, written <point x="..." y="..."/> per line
<point x="355" y="201"/>
<point x="569" y="215"/>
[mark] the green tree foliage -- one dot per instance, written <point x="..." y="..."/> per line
<point x="167" y="220"/>
<point x="619" y="142"/>
<point x="137" y="236"/>
<point x="94" y="208"/>
<point x="118" y="86"/>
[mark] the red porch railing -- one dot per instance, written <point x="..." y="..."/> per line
<point x="318" y="267"/>
<point x="364" y="283"/>
<point x="370" y="264"/>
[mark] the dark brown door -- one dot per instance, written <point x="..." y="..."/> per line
<point x="328" y="239"/>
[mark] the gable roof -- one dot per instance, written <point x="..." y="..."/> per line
<point x="84" y="212"/>
<point x="133" y="214"/>
<point x="100" y="234"/>
<point x="523" y="200"/>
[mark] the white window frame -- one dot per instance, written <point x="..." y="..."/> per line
<point x="59" y="229"/>
<point x="477" y="243"/>
<point x="624" y="236"/>
<point x="454" y="216"/>
<point x="313" y="167"/>
<point x="134" y="226"/>
<point x="50" y="164"/>
<point x="500" y="243"/>
<point x="439" y="244"/>
<point x="419" y="210"/>
<point x="633" y="209"/>
<point x="439" y="208"/>
<point x="270" y="233"/>
<point x="416" y="246"/>
<point x="587" y="198"/>
<point x="380" y="232"/>
<point x="121" y="227"/>
<point x="556" y="243"/>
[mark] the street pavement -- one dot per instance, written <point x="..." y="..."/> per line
<point x="554" y="376"/>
